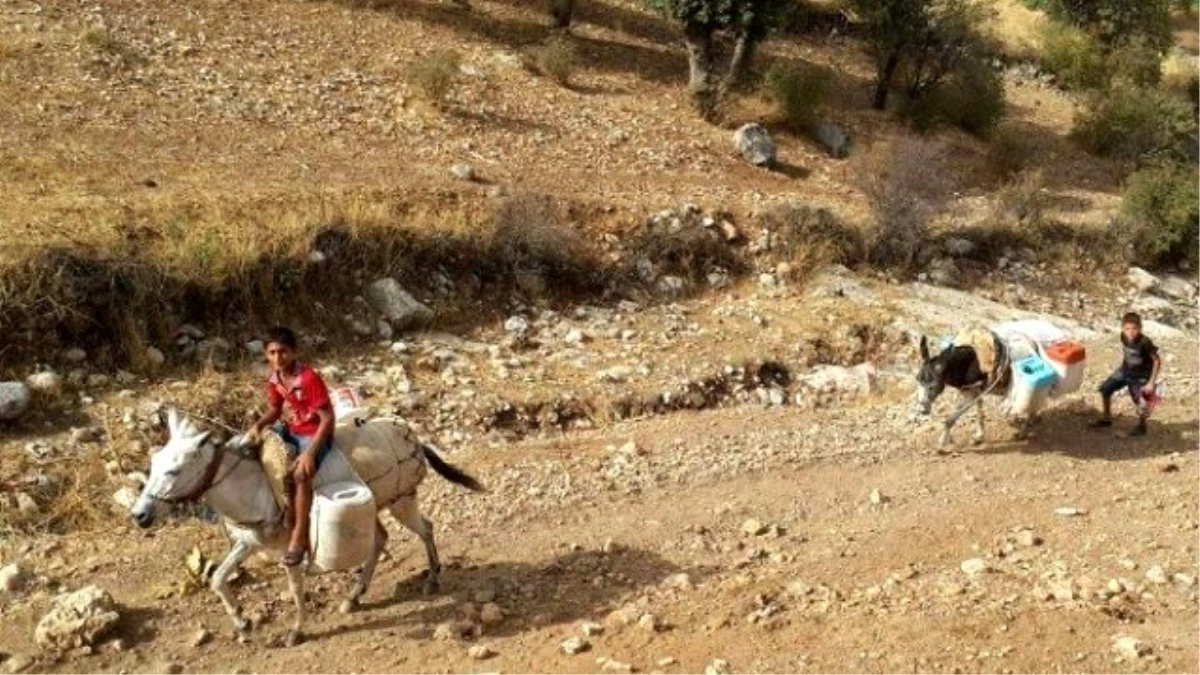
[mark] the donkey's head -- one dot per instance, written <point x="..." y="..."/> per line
<point x="931" y="380"/>
<point x="176" y="470"/>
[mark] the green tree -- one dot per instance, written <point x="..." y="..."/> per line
<point x="926" y="40"/>
<point x="1118" y="22"/>
<point x="748" y="21"/>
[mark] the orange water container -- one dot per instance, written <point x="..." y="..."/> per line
<point x="1068" y="358"/>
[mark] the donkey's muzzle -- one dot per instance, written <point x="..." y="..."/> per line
<point x="143" y="519"/>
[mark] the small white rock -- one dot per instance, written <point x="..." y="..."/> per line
<point x="650" y="623"/>
<point x="717" y="667"/>
<point x="1156" y="575"/>
<point x="877" y="497"/>
<point x="12" y="578"/>
<point x="753" y="528"/>
<point x="1070" y="511"/>
<point x="1130" y="647"/>
<point x="591" y="628"/>
<point x="975" y="566"/>
<point x="481" y="652"/>
<point x="574" y="645"/>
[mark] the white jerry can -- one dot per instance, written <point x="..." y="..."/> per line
<point x="342" y="530"/>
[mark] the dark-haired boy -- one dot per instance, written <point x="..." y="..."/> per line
<point x="308" y="427"/>
<point x="1138" y="372"/>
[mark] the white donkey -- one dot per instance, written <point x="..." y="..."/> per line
<point x="231" y="479"/>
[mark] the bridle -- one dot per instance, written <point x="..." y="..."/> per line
<point x="209" y="480"/>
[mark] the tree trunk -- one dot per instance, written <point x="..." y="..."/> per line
<point x="739" y="62"/>
<point x="562" y="10"/>
<point x="885" y="80"/>
<point x="698" y="38"/>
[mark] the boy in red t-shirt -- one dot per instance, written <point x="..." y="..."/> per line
<point x="308" y="428"/>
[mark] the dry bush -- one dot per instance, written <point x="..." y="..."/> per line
<point x="903" y="191"/>
<point x="810" y="238"/>
<point x="433" y="75"/>
<point x="1009" y="151"/>
<point x="556" y="59"/>
<point x="799" y="94"/>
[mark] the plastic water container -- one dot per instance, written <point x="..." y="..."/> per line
<point x="1068" y="358"/>
<point x="347" y="405"/>
<point x="1032" y="380"/>
<point x="342" y="529"/>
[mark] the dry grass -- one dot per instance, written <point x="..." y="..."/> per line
<point x="557" y="59"/>
<point x="1016" y="29"/>
<point x="433" y="75"/>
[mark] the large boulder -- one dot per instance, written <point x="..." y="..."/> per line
<point x="1176" y="288"/>
<point x="14" y="399"/>
<point x="77" y="619"/>
<point x="1142" y="280"/>
<point x="396" y="305"/>
<point x="833" y="139"/>
<point x="754" y="144"/>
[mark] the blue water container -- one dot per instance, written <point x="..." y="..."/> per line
<point x="1033" y="372"/>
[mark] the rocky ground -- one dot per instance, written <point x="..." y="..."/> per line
<point x="731" y="483"/>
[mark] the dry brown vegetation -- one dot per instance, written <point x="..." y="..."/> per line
<point x="174" y="163"/>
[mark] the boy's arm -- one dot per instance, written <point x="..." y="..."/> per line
<point x="268" y="418"/>
<point x="324" y="430"/>
<point x="1154" y="371"/>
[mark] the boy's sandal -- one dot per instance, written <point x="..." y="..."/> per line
<point x="293" y="557"/>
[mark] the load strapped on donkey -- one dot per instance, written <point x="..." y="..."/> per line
<point x="1028" y="362"/>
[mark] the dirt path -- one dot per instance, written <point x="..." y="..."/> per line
<point x="836" y="582"/>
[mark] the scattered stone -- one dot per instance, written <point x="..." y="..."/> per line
<point x="591" y="628"/>
<point x="975" y="566"/>
<point x="155" y="357"/>
<point x="201" y="638"/>
<point x="1064" y="591"/>
<point x="608" y="665"/>
<point x="959" y="247"/>
<point x="46" y="382"/>
<point x="12" y="578"/>
<point x="672" y="285"/>
<point x="833" y="138"/>
<point x="18" y="663"/>
<point x="717" y="667"/>
<point x="753" y="528"/>
<point x="574" y="645"/>
<point x="463" y="171"/>
<point x="172" y="668"/>
<point x="396" y="305"/>
<point x="620" y="618"/>
<point x="1129" y="647"/>
<point x="77" y="619"/>
<point x="575" y="337"/>
<point x="481" y="652"/>
<point x="1156" y="575"/>
<point x="754" y="144"/>
<point x="1070" y="511"/>
<point x="26" y="505"/>
<point x="680" y="582"/>
<point x="877" y="497"/>
<point x="1185" y="580"/>
<point x="649" y="623"/>
<point x="616" y="374"/>
<point x="75" y="355"/>
<point x="1028" y="538"/>
<point x="81" y="435"/>
<point x="14" y="399"/>
<point x="454" y="630"/>
<point x="491" y="614"/>
<point x="666" y="661"/>
<point x="1176" y="288"/>
<point x="1142" y="280"/>
<point x="518" y="325"/>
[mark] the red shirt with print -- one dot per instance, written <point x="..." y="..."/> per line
<point x="307" y="395"/>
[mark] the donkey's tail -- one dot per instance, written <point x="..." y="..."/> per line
<point x="450" y="472"/>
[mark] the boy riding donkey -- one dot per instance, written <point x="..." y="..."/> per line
<point x="308" y="430"/>
<point x="1139" y="370"/>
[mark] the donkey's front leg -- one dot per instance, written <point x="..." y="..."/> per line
<point x="219" y="584"/>
<point x="979" y="430"/>
<point x="295" y="576"/>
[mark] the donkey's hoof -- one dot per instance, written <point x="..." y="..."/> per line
<point x="348" y="606"/>
<point x="431" y="587"/>
<point x="294" y="637"/>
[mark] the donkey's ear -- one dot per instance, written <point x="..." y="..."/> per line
<point x="173" y="422"/>
<point x="924" y="348"/>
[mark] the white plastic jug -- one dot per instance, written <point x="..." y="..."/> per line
<point x="348" y="405"/>
<point x="342" y="529"/>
